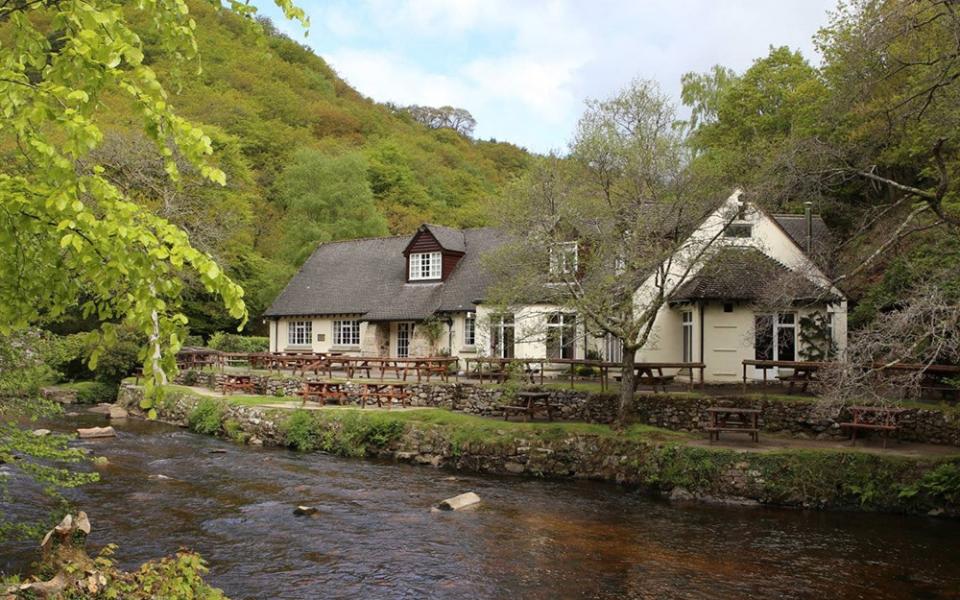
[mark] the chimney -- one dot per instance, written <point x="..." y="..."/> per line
<point x="808" y="221"/>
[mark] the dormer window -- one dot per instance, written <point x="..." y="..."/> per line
<point x="425" y="266"/>
<point x="563" y="259"/>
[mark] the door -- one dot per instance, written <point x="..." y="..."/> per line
<point x="404" y="331"/>
<point x="775" y="338"/>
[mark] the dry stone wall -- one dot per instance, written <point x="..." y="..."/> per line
<point x="799" y="417"/>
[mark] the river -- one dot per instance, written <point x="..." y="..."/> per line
<point x="375" y="536"/>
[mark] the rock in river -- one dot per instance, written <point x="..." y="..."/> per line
<point x="458" y="502"/>
<point x="305" y="511"/>
<point x="118" y="412"/>
<point x="41" y="432"/>
<point x="96" y="432"/>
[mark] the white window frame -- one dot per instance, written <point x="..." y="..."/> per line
<point x="470" y="329"/>
<point x="300" y="333"/>
<point x="561" y="324"/>
<point x="564" y="258"/>
<point x="499" y="325"/>
<point x="346" y="332"/>
<point x="425" y="266"/>
<point x="686" y="328"/>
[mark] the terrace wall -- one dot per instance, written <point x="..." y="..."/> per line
<point x="799" y="417"/>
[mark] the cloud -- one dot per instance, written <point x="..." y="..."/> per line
<point x="525" y="67"/>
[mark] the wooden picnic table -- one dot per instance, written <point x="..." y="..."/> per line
<point x="529" y="403"/>
<point x="651" y="373"/>
<point x="323" y="391"/>
<point x="384" y="392"/>
<point x="237" y="382"/>
<point x="732" y="418"/>
<point x="803" y="372"/>
<point x="876" y="418"/>
<point x="501" y="374"/>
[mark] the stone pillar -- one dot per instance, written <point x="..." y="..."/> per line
<point x="375" y="340"/>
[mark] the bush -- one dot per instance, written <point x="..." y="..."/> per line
<point x="93" y="392"/>
<point x="231" y="342"/>
<point x="585" y="371"/>
<point x="120" y="359"/>
<point x="235" y="431"/>
<point x="302" y="431"/>
<point x="206" y="416"/>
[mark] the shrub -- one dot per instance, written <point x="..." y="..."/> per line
<point x="234" y="431"/>
<point x="302" y="431"/>
<point x="585" y="371"/>
<point x="206" y="416"/>
<point x="231" y="342"/>
<point x="120" y="359"/>
<point x="94" y="392"/>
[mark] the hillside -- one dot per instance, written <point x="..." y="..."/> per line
<point x="308" y="159"/>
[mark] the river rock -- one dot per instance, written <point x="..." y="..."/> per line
<point x="255" y="441"/>
<point x="118" y="412"/>
<point x="305" y="511"/>
<point x="96" y="432"/>
<point x="459" y="502"/>
<point x="100" y="461"/>
<point x="41" y="432"/>
<point x="101" y="409"/>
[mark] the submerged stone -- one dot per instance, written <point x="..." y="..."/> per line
<point x="460" y="502"/>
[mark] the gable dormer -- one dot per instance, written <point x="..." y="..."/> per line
<point x="432" y="253"/>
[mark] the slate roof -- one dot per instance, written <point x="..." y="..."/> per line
<point x="448" y="238"/>
<point x="796" y="228"/>
<point x="745" y="273"/>
<point x="369" y="277"/>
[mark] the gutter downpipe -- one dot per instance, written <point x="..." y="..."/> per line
<point x="809" y="225"/>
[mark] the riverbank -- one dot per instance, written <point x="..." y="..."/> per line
<point x="658" y="460"/>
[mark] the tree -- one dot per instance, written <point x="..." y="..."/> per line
<point x="458" y="119"/>
<point x="624" y="200"/>
<point x="327" y="197"/>
<point x="68" y="234"/>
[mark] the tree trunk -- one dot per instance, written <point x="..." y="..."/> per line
<point x="628" y="385"/>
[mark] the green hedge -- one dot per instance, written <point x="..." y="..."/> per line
<point x="231" y="342"/>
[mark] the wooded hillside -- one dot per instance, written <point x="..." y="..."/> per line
<point x="308" y="159"/>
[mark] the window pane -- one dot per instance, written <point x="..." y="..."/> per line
<point x="786" y="343"/>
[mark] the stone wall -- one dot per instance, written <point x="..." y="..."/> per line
<point x="829" y="479"/>
<point x="799" y="417"/>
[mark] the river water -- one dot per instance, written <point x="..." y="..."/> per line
<point x="375" y="536"/>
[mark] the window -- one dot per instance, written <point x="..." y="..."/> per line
<point x="728" y="307"/>
<point x="561" y="331"/>
<point x="501" y="336"/>
<point x="775" y="337"/>
<point x="612" y="348"/>
<point x="346" y="333"/>
<point x="425" y="265"/>
<point x="563" y="258"/>
<point x="470" y="329"/>
<point x="686" y="324"/>
<point x="738" y="230"/>
<point x="299" y="333"/>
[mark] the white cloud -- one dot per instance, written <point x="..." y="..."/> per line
<point x="524" y="67"/>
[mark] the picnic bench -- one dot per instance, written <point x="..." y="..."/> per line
<point x="873" y="418"/>
<point x="732" y="418"/>
<point x="529" y="403"/>
<point x="498" y="371"/>
<point x="651" y="373"/>
<point x="237" y="382"/>
<point x="322" y="391"/>
<point x="384" y="392"/>
<point x="801" y="374"/>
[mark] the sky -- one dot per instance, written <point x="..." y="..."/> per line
<point x="524" y="68"/>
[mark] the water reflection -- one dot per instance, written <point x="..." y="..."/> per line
<point x="374" y="536"/>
